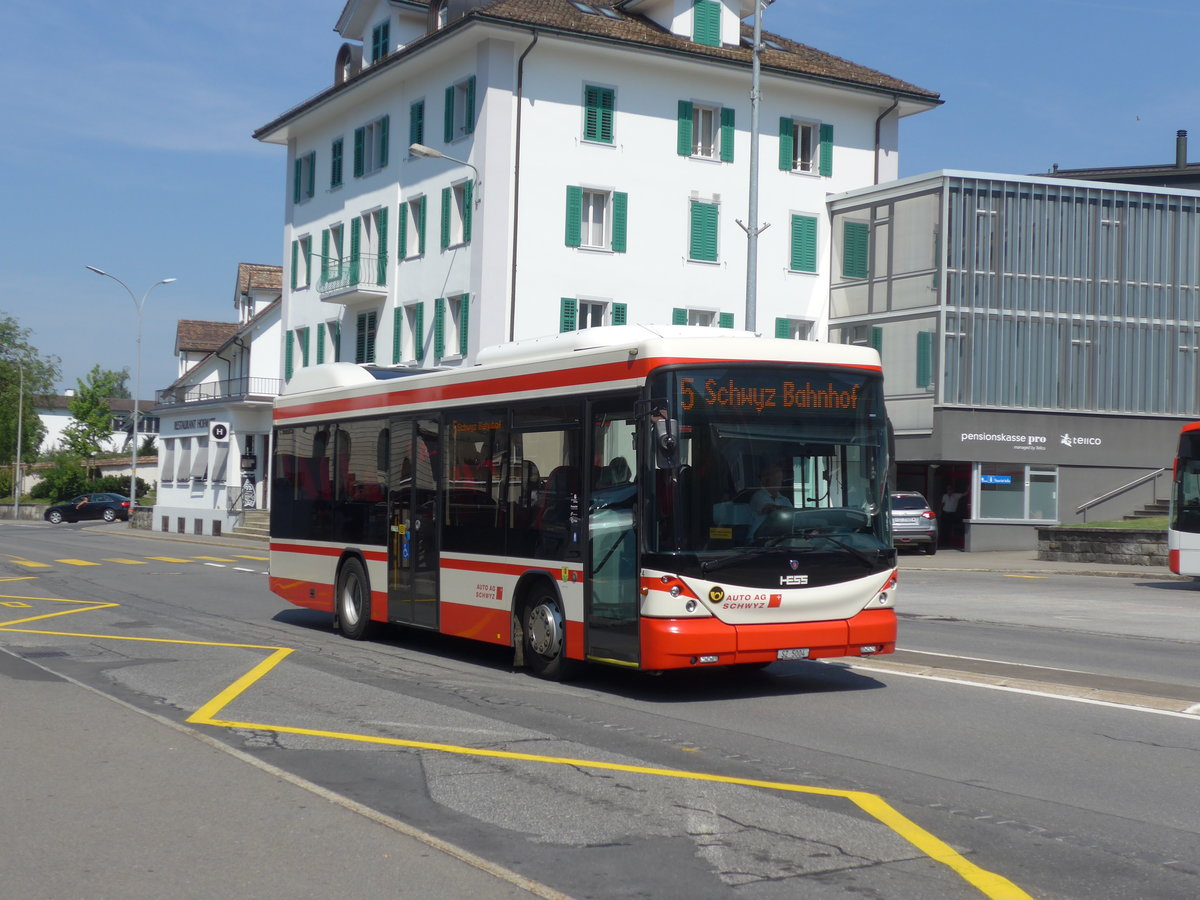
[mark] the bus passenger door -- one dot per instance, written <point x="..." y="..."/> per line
<point x="612" y="598"/>
<point x="413" y="504"/>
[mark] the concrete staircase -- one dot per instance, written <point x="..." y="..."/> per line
<point x="255" y="524"/>
<point x="1157" y="508"/>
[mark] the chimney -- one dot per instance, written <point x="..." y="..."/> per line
<point x="1181" y="149"/>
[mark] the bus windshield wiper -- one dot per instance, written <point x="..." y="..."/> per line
<point x="854" y="551"/>
<point x="711" y="565"/>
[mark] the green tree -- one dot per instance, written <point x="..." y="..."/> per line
<point x="91" y="416"/>
<point x="22" y="365"/>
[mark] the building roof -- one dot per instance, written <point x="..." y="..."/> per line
<point x="780" y="55"/>
<point x="1165" y="175"/>
<point x="193" y="335"/>
<point x="258" y="277"/>
<point x="234" y="332"/>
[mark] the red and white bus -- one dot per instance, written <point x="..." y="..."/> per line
<point x="655" y="498"/>
<point x="1183" y="531"/>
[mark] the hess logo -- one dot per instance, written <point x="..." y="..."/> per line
<point x="789" y="580"/>
<point x="716" y="594"/>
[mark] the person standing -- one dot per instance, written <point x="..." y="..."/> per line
<point x="952" y="502"/>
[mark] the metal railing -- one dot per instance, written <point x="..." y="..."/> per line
<point x="227" y="389"/>
<point x="1138" y="482"/>
<point x="341" y="275"/>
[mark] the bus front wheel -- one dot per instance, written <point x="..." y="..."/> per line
<point x="353" y="600"/>
<point x="546" y="637"/>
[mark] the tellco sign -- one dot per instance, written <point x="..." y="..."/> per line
<point x="1034" y="442"/>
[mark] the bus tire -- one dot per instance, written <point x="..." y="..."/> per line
<point x="353" y="614"/>
<point x="545" y="636"/>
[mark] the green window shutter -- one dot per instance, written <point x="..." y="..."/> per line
<point x="877" y="339"/>
<point x="679" y="316"/>
<point x="568" y="307"/>
<point x="446" y="198"/>
<point x="335" y="329"/>
<point x="620" y="203"/>
<point x="439" y="327"/>
<point x="298" y="167"/>
<point x="619" y="312"/>
<point x="468" y="208"/>
<point x="855" y="241"/>
<point x="725" y="320"/>
<point x="289" y="356"/>
<point x="574" y="216"/>
<point x="384" y="128"/>
<point x="787" y="149"/>
<point x="419" y="331"/>
<point x="421" y="227"/>
<point x="804" y="244"/>
<point x="402" y="240"/>
<point x="355" y="241"/>
<point x="381" y="263"/>
<point x="324" y="255"/>
<point x="707" y="23"/>
<point x="826" y="136"/>
<point x="335" y="164"/>
<point x="924" y="359"/>
<point x="295" y="263"/>
<point x="727" y="133"/>
<point x="783" y="328"/>
<point x="397" y="321"/>
<point x="683" y="145"/>
<point x="312" y="174"/>
<point x="416" y="123"/>
<point x="448" y="117"/>
<point x="702" y="244"/>
<point x="464" y="324"/>
<point x="598" y="114"/>
<point x="469" y="112"/>
<point x="304" y="347"/>
<point x="360" y="339"/>
<point x="320" y="343"/>
<point x="360" y="144"/>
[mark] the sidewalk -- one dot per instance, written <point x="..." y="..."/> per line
<point x="1025" y="562"/>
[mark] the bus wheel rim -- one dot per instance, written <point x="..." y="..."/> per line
<point x="545" y="630"/>
<point x="352" y="600"/>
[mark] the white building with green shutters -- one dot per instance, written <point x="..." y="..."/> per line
<point x="594" y="170"/>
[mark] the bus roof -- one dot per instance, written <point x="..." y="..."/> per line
<point x="561" y="364"/>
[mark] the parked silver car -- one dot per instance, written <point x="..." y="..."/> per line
<point x="914" y="523"/>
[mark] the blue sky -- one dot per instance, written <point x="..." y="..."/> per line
<point x="127" y="131"/>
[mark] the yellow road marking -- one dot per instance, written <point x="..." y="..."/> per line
<point x="170" y="559"/>
<point x="30" y="564"/>
<point x="77" y="562"/>
<point x="128" y="562"/>
<point x="214" y="558"/>
<point x="988" y="883"/>
<point x="259" y="558"/>
<point x="1024" y="576"/>
<point x="18" y="578"/>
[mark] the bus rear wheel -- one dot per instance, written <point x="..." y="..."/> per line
<point x="546" y="637"/>
<point x="353" y="601"/>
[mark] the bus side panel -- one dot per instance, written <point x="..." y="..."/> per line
<point x="304" y="575"/>
<point x="874" y="626"/>
<point x="309" y="594"/>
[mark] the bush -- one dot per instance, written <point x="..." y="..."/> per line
<point x="116" y="484"/>
<point x="64" y="479"/>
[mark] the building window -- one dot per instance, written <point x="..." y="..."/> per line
<point x="576" y="315"/>
<point x="412" y="338"/>
<point x="451" y="317"/>
<point x="805" y="147"/>
<point x="856" y="240"/>
<point x="706" y="23"/>
<point x="793" y="329"/>
<point x="412" y="228"/>
<point x="707" y="318"/>
<point x="368" y="248"/>
<point x="380" y="41"/>
<point x="332" y="248"/>
<point x="598" y="106"/>
<point x="705" y="131"/>
<point x="702" y="233"/>
<point x="364" y="339"/>
<point x="304" y="177"/>
<point x="335" y="164"/>
<point x="456" y="214"/>
<point x="416" y="123"/>
<point x="302" y="335"/>
<point x="1011" y="491"/>
<point x="596" y="219"/>
<point x="371" y="147"/>
<point x="301" y="262"/>
<point x="460" y="110"/>
<point x="804" y="244"/>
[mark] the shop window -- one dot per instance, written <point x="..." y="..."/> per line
<point x="1008" y="491"/>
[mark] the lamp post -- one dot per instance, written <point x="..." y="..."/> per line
<point x="430" y="153"/>
<point x="752" y="228"/>
<point x="137" y="378"/>
<point x="20" y="422"/>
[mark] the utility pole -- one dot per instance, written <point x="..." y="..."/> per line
<point x="752" y="228"/>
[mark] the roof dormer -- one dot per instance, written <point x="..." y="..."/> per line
<point x="712" y="23"/>
<point x="380" y="27"/>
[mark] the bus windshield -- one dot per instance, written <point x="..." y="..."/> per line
<point x="1185" y="499"/>
<point x="791" y="458"/>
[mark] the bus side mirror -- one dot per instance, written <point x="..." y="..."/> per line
<point x="666" y="443"/>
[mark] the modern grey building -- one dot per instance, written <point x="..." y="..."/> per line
<point x="1039" y="338"/>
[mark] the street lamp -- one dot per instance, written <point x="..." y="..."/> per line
<point x="20" y="421"/>
<point x="752" y="228"/>
<point x="430" y="153"/>
<point x="137" y="378"/>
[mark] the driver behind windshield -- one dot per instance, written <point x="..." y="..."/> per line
<point x="768" y="498"/>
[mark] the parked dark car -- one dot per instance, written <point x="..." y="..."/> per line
<point x="914" y="524"/>
<point x="108" y="507"/>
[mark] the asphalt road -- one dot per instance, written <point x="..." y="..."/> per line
<point x="1025" y="742"/>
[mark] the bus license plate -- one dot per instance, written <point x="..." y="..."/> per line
<point x="795" y="653"/>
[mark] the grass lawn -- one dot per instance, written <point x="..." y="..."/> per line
<point x="1154" y="523"/>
